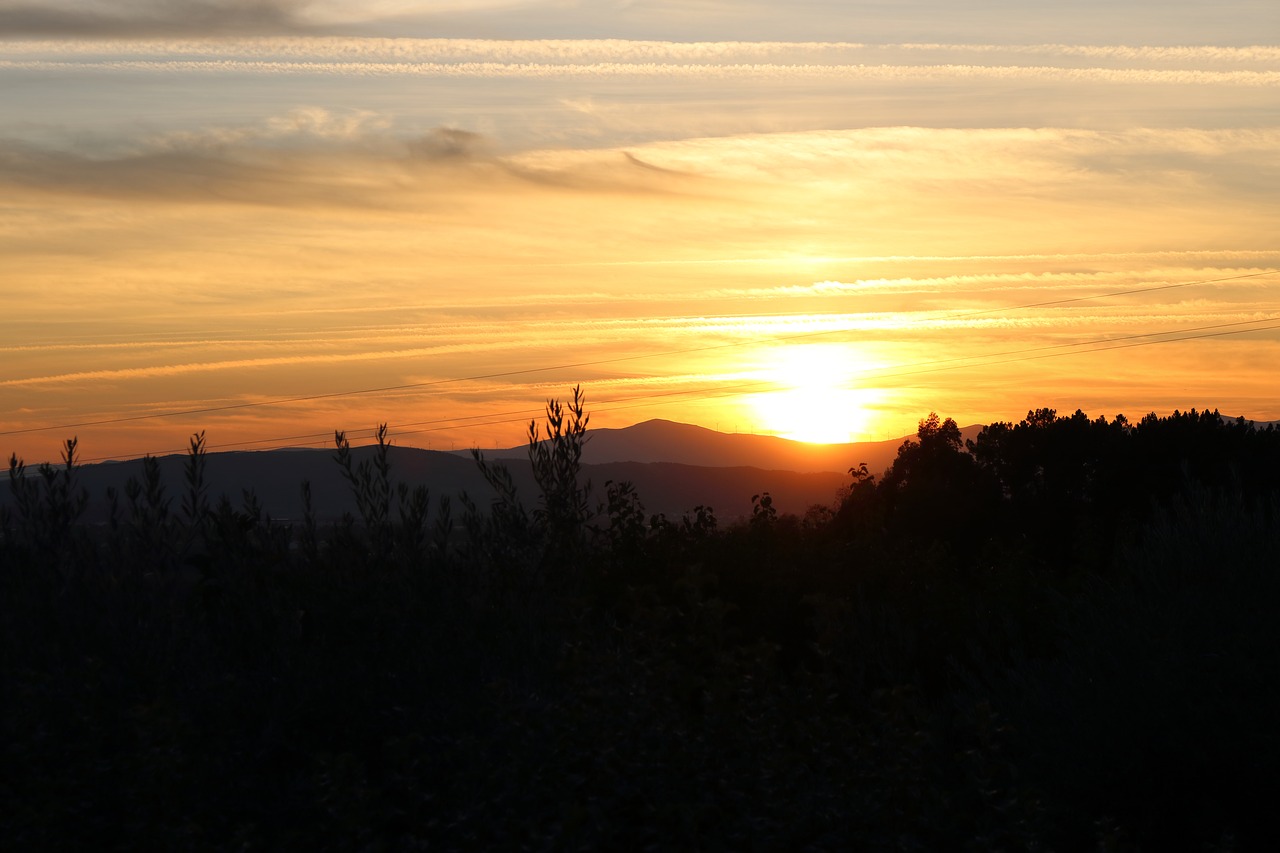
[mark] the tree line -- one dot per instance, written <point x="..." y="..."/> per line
<point x="1057" y="634"/>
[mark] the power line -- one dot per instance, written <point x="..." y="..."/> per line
<point x="448" y="423"/>
<point x="1095" y="349"/>
<point x="441" y="424"/>
<point x="882" y="375"/>
<point x="935" y="366"/>
<point x="1130" y="292"/>
<point x="596" y="362"/>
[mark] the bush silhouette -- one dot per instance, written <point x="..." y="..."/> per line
<point x="1059" y="635"/>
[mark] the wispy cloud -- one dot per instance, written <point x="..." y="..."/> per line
<point x="589" y="51"/>
<point x="241" y="364"/>
<point x="835" y="206"/>
<point x="310" y="156"/>
<point x="543" y="71"/>
<point x="575" y="58"/>
<point x="1179" y="21"/>
<point x="655" y="339"/>
<point x="1079" y="282"/>
<point x="135" y="18"/>
<point x="1190" y="54"/>
<point x="469" y="261"/>
<point x="177" y="174"/>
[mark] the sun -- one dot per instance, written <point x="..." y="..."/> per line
<point x="816" y="401"/>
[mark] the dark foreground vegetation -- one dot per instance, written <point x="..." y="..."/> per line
<point x="1063" y="636"/>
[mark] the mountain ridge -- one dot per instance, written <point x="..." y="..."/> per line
<point x="674" y="468"/>
<point x="660" y="440"/>
<point x="275" y="478"/>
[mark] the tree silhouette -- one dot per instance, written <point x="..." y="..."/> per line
<point x="935" y="493"/>
<point x="557" y="463"/>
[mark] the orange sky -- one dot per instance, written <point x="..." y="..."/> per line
<point x="823" y="241"/>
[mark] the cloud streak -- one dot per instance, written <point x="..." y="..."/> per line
<point x="314" y="157"/>
<point x="238" y="218"/>
<point x="1179" y="21"/>
<point x="311" y="156"/>
<point x="754" y="71"/>
<point x="135" y="18"/>
<point x="731" y="332"/>
<point x="588" y="51"/>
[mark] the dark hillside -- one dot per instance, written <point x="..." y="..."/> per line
<point x="686" y="444"/>
<point x="275" y="477"/>
<point x="1058" y="635"/>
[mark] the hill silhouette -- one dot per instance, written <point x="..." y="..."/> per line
<point x="674" y="467"/>
<point x="1056" y="635"/>
<point x="275" y="478"/>
<point x="661" y="440"/>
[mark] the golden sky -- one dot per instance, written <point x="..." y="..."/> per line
<point x="282" y="219"/>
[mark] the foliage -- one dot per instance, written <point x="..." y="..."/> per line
<point x="46" y="509"/>
<point x="1058" y="636"/>
<point x="557" y="462"/>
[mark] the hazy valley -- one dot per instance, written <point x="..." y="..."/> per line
<point x="674" y="468"/>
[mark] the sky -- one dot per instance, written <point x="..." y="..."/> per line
<point x="822" y="220"/>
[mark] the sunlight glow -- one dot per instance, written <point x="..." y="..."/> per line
<point x="817" y="402"/>
<point x="200" y="213"/>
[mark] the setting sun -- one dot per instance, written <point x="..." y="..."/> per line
<point x="438" y="423"/>
<point x="823" y="231"/>
<point x="816" y="401"/>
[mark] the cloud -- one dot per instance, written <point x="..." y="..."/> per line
<point x="469" y="348"/>
<point x="313" y="156"/>
<point x="626" y="51"/>
<point x="881" y="21"/>
<point x="607" y="93"/>
<point x="570" y="59"/>
<point x="197" y="173"/>
<point x="588" y="51"/>
<point x="151" y="18"/>
<point x="678" y="71"/>
<point x="1180" y="21"/>
<point x="306" y="156"/>
<point x="447" y="143"/>
<point x="740" y="332"/>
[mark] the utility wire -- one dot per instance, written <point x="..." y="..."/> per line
<point x="1130" y="292"/>
<point x="729" y="390"/>
<point x="883" y="375"/>
<point x="597" y="362"/>
<point x="648" y="400"/>
<point x="441" y="424"/>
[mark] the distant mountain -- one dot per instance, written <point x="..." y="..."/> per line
<point x="668" y="441"/>
<point x="674" y="467"/>
<point x="276" y="476"/>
